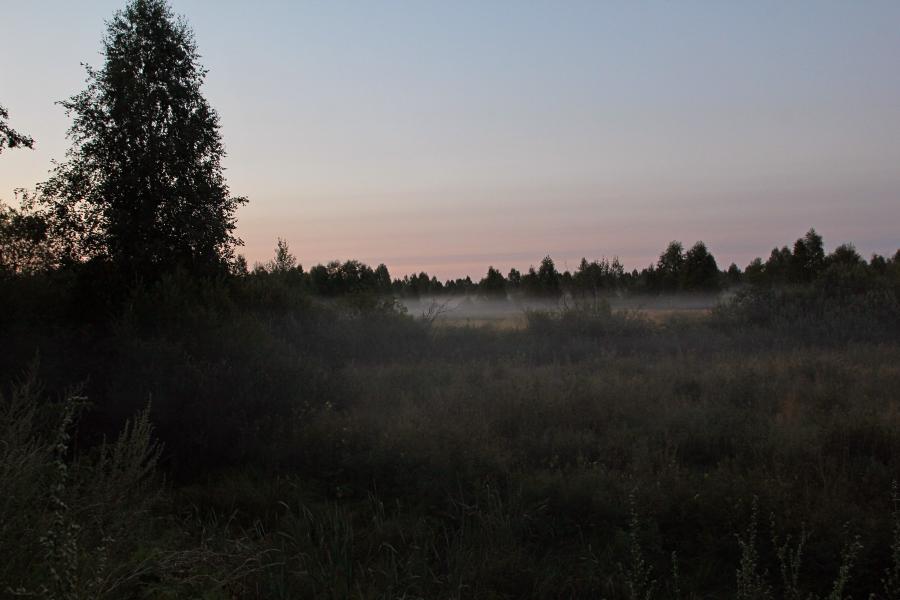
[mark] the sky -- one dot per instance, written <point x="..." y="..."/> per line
<point x="449" y="136"/>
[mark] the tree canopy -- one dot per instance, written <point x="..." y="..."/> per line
<point x="493" y="286"/>
<point x="143" y="183"/>
<point x="699" y="269"/>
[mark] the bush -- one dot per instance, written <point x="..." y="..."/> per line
<point x="813" y="315"/>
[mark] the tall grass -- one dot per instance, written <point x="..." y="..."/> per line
<point x="70" y="522"/>
<point x="237" y="439"/>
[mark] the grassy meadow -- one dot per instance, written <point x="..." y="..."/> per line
<point x="238" y="438"/>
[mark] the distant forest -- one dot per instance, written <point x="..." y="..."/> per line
<point x="677" y="270"/>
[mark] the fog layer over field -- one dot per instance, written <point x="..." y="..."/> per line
<point x="462" y="310"/>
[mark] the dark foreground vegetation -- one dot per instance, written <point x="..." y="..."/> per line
<point x="173" y="425"/>
<point x="237" y="437"/>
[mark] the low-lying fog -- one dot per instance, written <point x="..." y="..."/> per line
<point x="468" y="309"/>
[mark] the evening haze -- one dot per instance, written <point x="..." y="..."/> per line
<point x="449" y="136"/>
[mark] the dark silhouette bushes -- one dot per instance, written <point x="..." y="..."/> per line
<point x="588" y="318"/>
<point x="828" y="313"/>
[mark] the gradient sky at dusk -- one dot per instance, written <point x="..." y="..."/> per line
<point x="447" y="136"/>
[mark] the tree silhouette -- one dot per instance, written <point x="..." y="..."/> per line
<point x="284" y="261"/>
<point x="845" y="255"/>
<point x="22" y="234"/>
<point x="9" y="137"/>
<point x="143" y="183"/>
<point x="669" y="265"/>
<point x="808" y="258"/>
<point x="24" y="247"/>
<point x="548" y="278"/>
<point x="382" y="279"/>
<point x="493" y="286"/>
<point x="778" y="266"/>
<point x="595" y="276"/>
<point x="514" y="279"/>
<point x="699" y="271"/>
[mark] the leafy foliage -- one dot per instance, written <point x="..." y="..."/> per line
<point x="143" y="185"/>
<point x="9" y="137"/>
<point x="25" y="247"/>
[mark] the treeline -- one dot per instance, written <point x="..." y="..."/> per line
<point x="808" y="264"/>
<point x="676" y="270"/>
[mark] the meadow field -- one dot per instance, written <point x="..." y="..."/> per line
<point x="513" y="313"/>
<point x="280" y="446"/>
